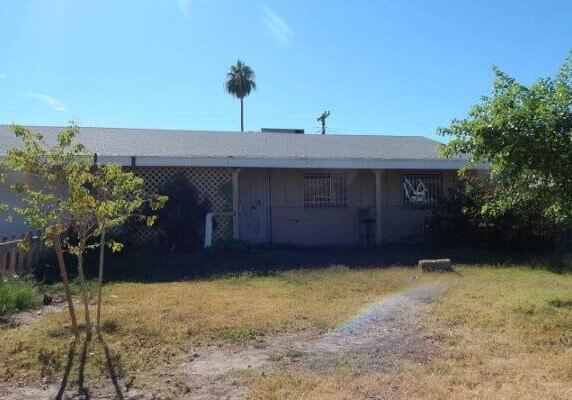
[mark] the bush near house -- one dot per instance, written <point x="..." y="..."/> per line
<point x="524" y="134"/>
<point x="459" y="219"/>
<point x="180" y="224"/>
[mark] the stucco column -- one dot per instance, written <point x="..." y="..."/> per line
<point x="378" y="204"/>
<point x="235" y="204"/>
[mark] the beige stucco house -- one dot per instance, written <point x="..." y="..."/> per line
<point x="280" y="186"/>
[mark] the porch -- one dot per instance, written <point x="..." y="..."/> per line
<point x="333" y="207"/>
<point x="313" y="207"/>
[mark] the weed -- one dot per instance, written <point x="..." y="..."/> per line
<point x="240" y="335"/>
<point x="50" y="363"/>
<point x="17" y="294"/>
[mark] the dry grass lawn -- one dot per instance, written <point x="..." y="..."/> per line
<point x="502" y="332"/>
<point x="146" y="325"/>
<point x="505" y="333"/>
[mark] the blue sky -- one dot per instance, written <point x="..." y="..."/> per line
<point x="399" y="67"/>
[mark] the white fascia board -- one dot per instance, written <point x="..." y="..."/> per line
<point x="121" y="160"/>
<point x="157" y="161"/>
<point x="231" y="162"/>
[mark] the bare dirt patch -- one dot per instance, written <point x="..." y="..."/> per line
<point x="387" y="332"/>
<point x="26" y="318"/>
<point x="383" y="335"/>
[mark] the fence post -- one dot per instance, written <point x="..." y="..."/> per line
<point x="2" y="261"/>
<point x="30" y="251"/>
<point x="2" y="253"/>
<point x="36" y="246"/>
<point x="15" y="259"/>
<point x="12" y="268"/>
<point x="3" y="256"/>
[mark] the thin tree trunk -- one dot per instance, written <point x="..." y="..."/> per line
<point x="64" y="274"/>
<point x="242" y="115"/>
<point x="100" y="280"/>
<point x="84" y="293"/>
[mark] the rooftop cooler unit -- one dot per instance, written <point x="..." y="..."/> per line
<point x="279" y="130"/>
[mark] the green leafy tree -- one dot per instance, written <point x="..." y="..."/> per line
<point x="240" y="81"/>
<point x="71" y="197"/>
<point x="57" y="170"/>
<point x="458" y="218"/>
<point x="524" y="133"/>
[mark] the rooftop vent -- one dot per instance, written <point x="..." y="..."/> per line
<point x="278" y="130"/>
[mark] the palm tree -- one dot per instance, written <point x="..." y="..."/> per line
<point x="239" y="83"/>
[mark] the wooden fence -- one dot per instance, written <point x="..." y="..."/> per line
<point x="15" y="260"/>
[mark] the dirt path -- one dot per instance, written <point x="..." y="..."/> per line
<point x="23" y="319"/>
<point x="386" y="332"/>
<point x="378" y="338"/>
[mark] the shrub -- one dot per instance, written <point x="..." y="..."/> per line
<point x="180" y="224"/>
<point x="463" y="218"/>
<point x="17" y="294"/>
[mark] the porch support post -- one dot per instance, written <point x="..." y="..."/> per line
<point x="378" y="204"/>
<point x="235" y="204"/>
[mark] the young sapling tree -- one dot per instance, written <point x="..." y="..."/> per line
<point x="51" y="171"/>
<point x="119" y="195"/>
<point x="71" y="196"/>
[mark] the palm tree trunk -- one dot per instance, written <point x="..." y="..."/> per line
<point x="84" y="293"/>
<point x="100" y="282"/>
<point x="241" y="114"/>
<point x="64" y="274"/>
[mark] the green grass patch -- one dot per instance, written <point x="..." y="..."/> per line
<point x="240" y="335"/>
<point x="57" y="288"/>
<point x="17" y="295"/>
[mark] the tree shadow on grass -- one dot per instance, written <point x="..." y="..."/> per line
<point x="109" y="362"/>
<point x="67" y="370"/>
<point x="83" y="391"/>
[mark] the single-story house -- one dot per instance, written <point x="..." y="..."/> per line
<point x="283" y="186"/>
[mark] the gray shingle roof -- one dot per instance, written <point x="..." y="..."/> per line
<point x="119" y="142"/>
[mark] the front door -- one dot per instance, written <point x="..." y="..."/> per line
<point x="253" y="199"/>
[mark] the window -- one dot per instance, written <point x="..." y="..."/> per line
<point x="422" y="190"/>
<point x="325" y="189"/>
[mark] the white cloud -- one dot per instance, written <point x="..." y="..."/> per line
<point x="185" y="6"/>
<point x="2" y="75"/>
<point x="50" y="101"/>
<point x="277" y="26"/>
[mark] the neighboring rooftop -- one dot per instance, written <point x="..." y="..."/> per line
<point x="215" y="148"/>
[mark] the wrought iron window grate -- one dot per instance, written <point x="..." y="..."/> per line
<point x="325" y="189"/>
<point x="422" y="189"/>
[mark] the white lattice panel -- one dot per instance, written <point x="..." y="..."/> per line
<point x="211" y="183"/>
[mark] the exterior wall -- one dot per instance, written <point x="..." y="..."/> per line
<point x="292" y="223"/>
<point x="288" y="220"/>
<point x="402" y="223"/>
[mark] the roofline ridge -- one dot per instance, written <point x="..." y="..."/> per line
<point x="224" y="131"/>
